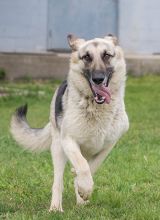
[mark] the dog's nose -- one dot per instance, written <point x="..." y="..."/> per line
<point x="98" y="77"/>
<point x="97" y="80"/>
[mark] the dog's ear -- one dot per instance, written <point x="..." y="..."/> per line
<point x="74" y="42"/>
<point x="112" y="38"/>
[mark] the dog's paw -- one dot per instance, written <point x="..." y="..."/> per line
<point x="84" y="185"/>
<point x="55" y="207"/>
<point x="80" y="201"/>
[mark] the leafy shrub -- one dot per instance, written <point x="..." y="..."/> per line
<point x="2" y="74"/>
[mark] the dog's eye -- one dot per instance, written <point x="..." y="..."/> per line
<point x="87" y="58"/>
<point x="106" y="56"/>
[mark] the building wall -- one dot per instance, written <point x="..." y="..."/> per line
<point x="84" y="18"/>
<point x="23" y="25"/>
<point x="139" y="25"/>
<point x="28" y="26"/>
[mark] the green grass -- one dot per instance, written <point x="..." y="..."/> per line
<point x="127" y="185"/>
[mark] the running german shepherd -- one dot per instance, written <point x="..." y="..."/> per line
<point x="87" y="115"/>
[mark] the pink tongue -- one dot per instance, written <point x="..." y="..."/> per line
<point x="102" y="91"/>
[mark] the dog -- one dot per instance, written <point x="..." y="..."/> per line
<point x="87" y="115"/>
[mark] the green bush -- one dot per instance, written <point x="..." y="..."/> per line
<point x="2" y="74"/>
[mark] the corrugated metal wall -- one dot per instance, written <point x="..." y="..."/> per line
<point x="38" y="25"/>
<point x="23" y="25"/>
<point x="139" y="25"/>
<point x="85" y="18"/>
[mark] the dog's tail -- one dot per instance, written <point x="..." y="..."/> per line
<point x="34" y="139"/>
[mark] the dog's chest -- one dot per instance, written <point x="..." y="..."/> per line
<point x="91" y="128"/>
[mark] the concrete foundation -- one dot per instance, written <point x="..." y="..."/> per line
<point x="56" y="65"/>
<point x="139" y="65"/>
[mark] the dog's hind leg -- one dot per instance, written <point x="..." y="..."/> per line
<point x="59" y="161"/>
<point x="96" y="161"/>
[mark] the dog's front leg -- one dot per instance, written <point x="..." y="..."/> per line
<point x="84" y="179"/>
<point x="59" y="161"/>
<point x="94" y="164"/>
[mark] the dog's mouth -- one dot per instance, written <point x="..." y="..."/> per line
<point x="101" y="93"/>
<point x="98" y="82"/>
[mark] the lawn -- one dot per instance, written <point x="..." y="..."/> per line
<point x="127" y="185"/>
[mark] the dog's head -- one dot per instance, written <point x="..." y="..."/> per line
<point x="97" y="65"/>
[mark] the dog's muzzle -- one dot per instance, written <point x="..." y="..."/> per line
<point x="98" y="77"/>
<point x="99" y="82"/>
